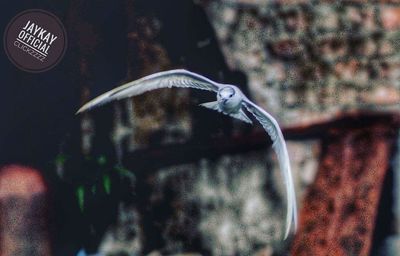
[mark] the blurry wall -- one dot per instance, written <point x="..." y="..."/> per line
<point x="304" y="62"/>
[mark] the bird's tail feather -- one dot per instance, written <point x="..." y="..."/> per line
<point x="211" y="105"/>
<point x="241" y="116"/>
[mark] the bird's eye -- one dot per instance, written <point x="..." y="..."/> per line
<point x="230" y="96"/>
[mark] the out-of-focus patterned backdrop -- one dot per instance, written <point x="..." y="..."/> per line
<point x="307" y="60"/>
<point x="158" y="175"/>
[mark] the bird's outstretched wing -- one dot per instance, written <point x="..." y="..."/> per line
<point x="279" y="145"/>
<point x="166" y="79"/>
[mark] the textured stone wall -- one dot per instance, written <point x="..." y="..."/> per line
<point x="308" y="61"/>
<point x="232" y="205"/>
<point x="25" y="227"/>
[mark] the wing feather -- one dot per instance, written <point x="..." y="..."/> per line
<point x="166" y="79"/>
<point x="279" y="145"/>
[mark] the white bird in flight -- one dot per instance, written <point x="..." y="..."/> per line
<point x="230" y="101"/>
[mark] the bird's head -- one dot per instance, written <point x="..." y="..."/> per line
<point x="226" y="93"/>
<point x="229" y="96"/>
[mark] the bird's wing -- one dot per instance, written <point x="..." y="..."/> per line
<point x="166" y="79"/>
<point x="279" y="145"/>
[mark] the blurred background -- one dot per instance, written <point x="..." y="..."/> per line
<point x="158" y="175"/>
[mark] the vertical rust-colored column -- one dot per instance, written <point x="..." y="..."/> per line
<point x="24" y="227"/>
<point x="340" y="208"/>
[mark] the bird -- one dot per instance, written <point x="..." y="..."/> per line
<point x="230" y="101"/>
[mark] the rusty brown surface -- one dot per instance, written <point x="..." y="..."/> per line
<point x="24" y="219"/>
<point x="340" y="208"/>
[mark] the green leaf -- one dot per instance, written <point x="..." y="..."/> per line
<point x="102" y="160"/>
<point x="124" y="172"/>
<point x="60" y="159"/>
<point x="107" y="183"/>
<point x="80" y="194"/>
<point x="93" y="189"/>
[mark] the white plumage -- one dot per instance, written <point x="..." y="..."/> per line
<point x="230" y="101"/>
